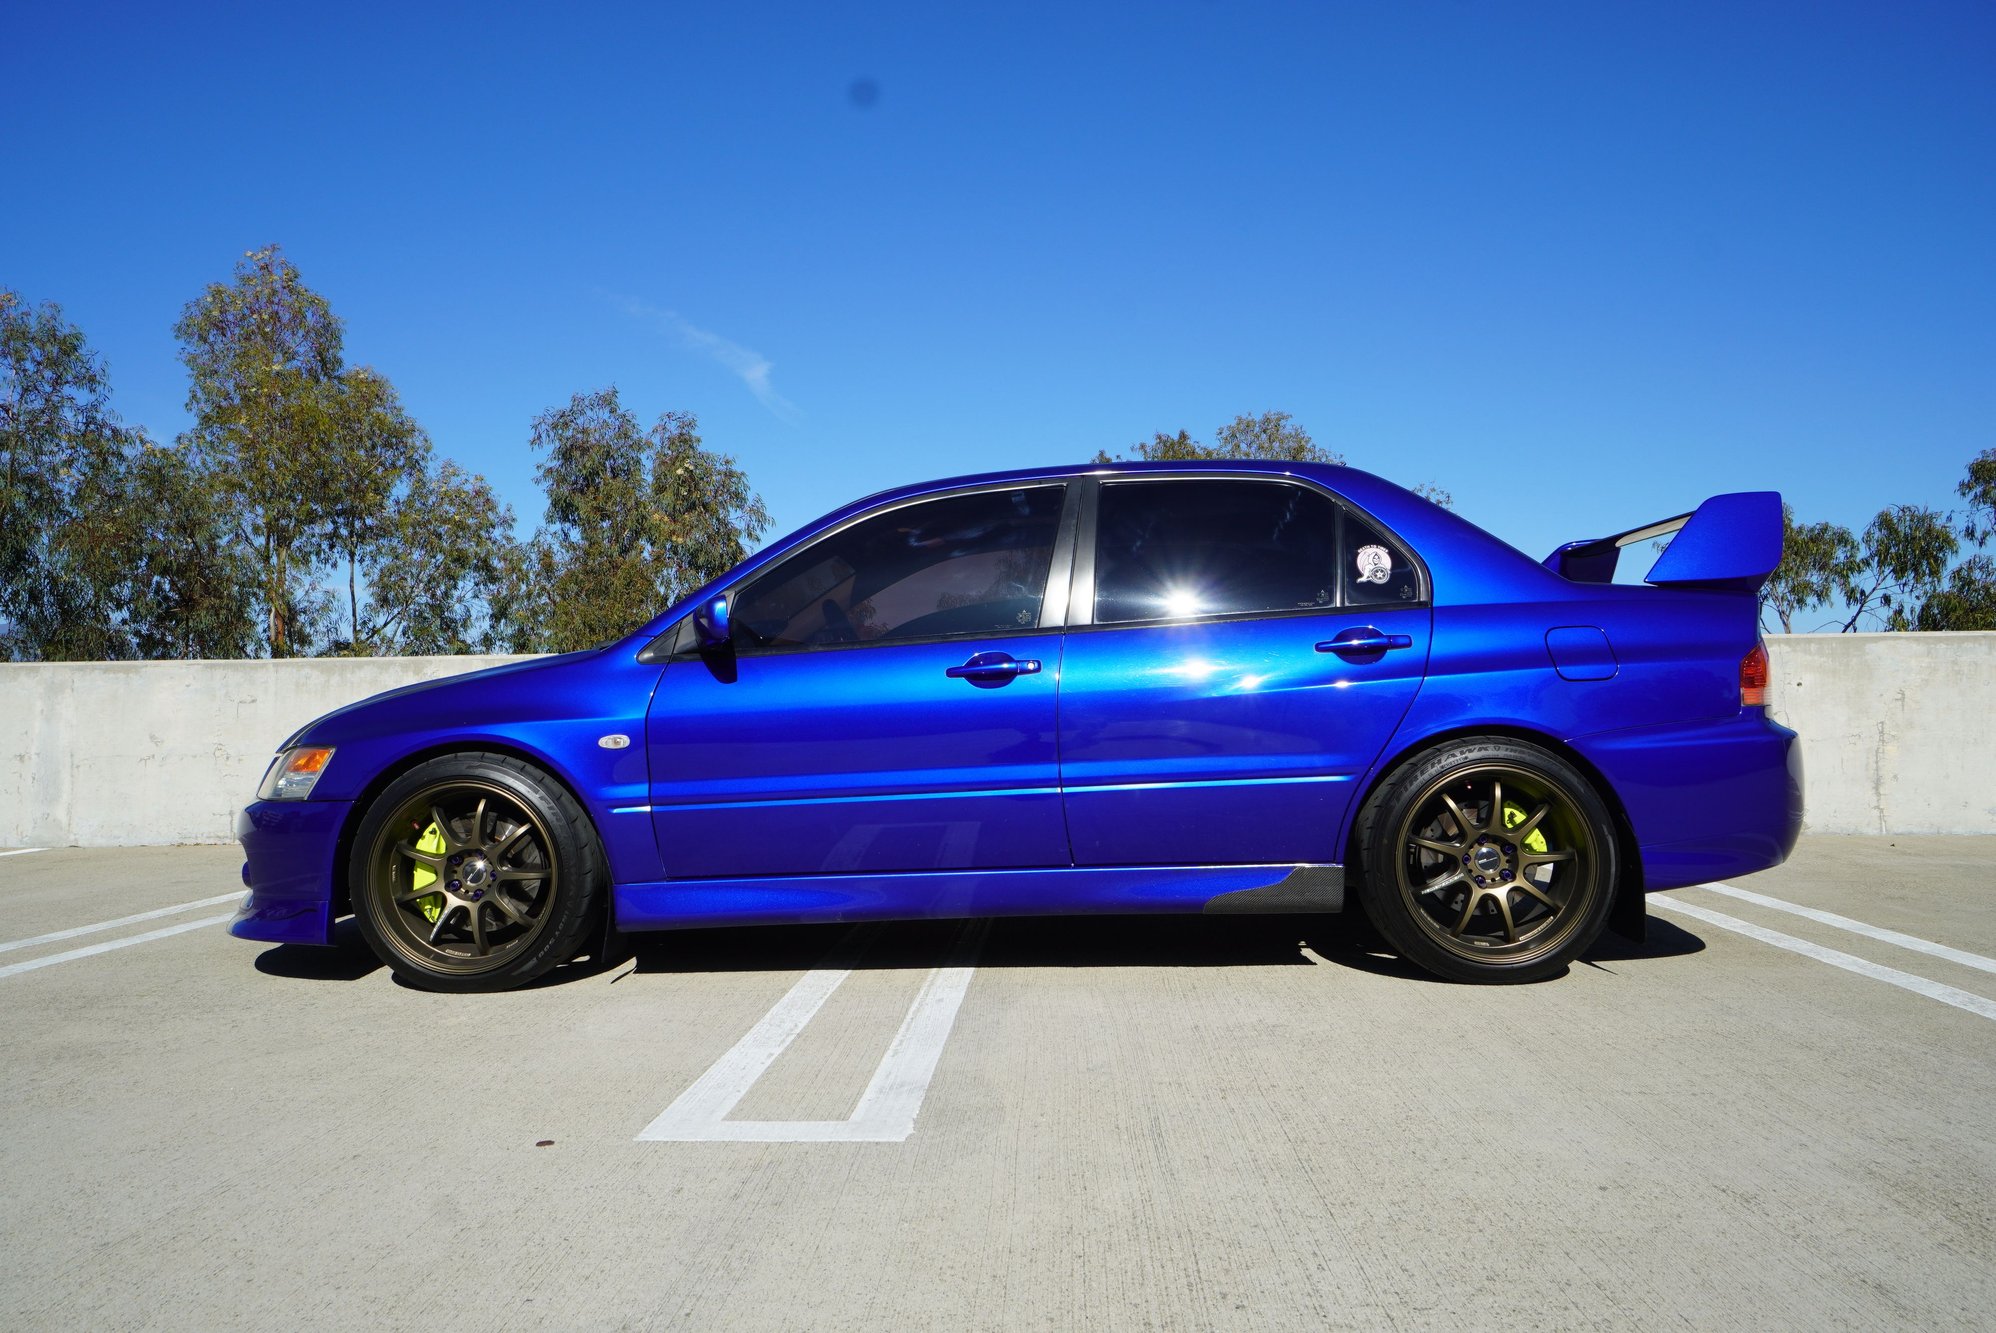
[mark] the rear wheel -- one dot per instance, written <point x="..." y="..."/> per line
<point x="1488" y="860"/>
<point x="475" y="872"/>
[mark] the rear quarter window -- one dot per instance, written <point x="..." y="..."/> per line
<point x="1376" y="570"/>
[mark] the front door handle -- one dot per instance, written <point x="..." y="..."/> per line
<point x="994" y="668"/>
<point x="1366" y="640"/>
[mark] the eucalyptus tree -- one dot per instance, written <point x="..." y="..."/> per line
<point x="1902" y="559"/>
<point x="61" y="449"/>
<point x="1270" y="435"/>
<point x="635" y="519"/>
<point x="264" y="358"/>
<point x="375" y="455"/>
<point x="440" y="570"/>
<point x="1818" y="560"/>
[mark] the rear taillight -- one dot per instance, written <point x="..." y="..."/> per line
<point x="1753" y="678"/>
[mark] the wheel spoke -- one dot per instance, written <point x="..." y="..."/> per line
<point x="511" y="839"/>
<point x="1468" y="910"/>
<point x="1451" y="849"/>
<point x="516" y="875"/>
<point x="1456" y="876"/>
<point x="1462" y="824"/>
<point x="478" y="824"/>
<point x="443" y="828"/>
<point x="443" y="917"/>
<point x="416" y="895"/>
<point x="477" y="927"/>
<point x="1503" y="901"/>
<point x="1544" y="858"/>
<point x="1533" y="889"/>
<point x="429" y="860"/>
<point x="1496" y="824"/>
<point x="1524" y="830"/>
<point x="506" y="908"/>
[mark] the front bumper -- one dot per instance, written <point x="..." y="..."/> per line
<point x="289" y="848"/>
<point x="1706" y="799"/>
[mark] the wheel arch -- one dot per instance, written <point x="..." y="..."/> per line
<point x="389" y="772"/>
<point x="1626" y="916"/>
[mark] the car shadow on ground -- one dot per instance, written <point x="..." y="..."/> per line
<point x="348" y="960"/>
<point x="1346" y="940"/>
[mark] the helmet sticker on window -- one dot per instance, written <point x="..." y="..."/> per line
<point x="1375" y="564"/>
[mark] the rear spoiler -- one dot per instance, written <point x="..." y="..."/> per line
<point x="1731" y="541"/>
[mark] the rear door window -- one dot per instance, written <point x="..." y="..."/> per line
<point x="1168" y="550"/>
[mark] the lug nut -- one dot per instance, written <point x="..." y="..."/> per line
<point x="451" y="885"/>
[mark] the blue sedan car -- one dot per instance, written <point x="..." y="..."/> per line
<point x="1189" y="687"/>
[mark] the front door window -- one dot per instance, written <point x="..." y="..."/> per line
<point x="963" y="565"/>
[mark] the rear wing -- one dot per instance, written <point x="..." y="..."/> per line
<point x="1731" y="541"/>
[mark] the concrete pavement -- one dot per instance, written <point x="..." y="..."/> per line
<point x="1159" y="1123"/>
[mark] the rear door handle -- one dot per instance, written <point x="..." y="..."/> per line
<point x="994" y="667"/>
<point x="1366" y="640"/>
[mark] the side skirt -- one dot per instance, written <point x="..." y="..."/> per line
<point x="916" y="895"/>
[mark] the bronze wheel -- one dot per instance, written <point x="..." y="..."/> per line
<point x="474" y="872"/>
<point x="1488" y="861"/>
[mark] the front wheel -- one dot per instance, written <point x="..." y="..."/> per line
<point x="474" y="872"/>
<point x="1487" y="860"/>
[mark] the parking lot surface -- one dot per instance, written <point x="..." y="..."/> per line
<point x="1777" y="1111"/>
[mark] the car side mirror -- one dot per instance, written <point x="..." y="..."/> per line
<point x="710" y="624"/>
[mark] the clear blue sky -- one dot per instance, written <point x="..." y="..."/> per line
<point x="1581" y="264"/>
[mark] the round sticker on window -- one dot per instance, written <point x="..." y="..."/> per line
<point x="1375" y="564"/>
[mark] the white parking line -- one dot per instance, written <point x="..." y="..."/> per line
<point x="893" y="1098"/>
<point x="136" y="917"/>
<point x="1913" y="942"/>
<point x="20" y="851"/>
<point x="109" y="945"/>
<point x="1933" y="990"/>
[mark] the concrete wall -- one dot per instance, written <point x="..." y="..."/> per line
<point x="1898" y="735"/>
<point x="99" y="754"/>
<point x="1898" y="730"/>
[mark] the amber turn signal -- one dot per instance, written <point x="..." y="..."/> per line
<point x="294" y="772"/>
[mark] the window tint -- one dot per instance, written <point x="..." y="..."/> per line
<point x="1166" y="549"/>
<point x="969" y="564"/>
<point x="1376" y="571"/>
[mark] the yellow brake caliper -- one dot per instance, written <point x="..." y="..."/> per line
<point x="1514" y="815"/>
<point x="432" y="905"/>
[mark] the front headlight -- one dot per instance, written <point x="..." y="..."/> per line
<point x="293" y="773"/>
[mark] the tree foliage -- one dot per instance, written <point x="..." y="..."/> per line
<point x="60" y="451"/>
<point x="1966" y="601"/>
<point x="439" y="578"/>
<point x="263" y="355"/>
<point x="1271" y="435"/>
<point x="1818" y="560"/>
<point x="635" y="519"/>
<point x="190" y="590"/>
<point x="110" y="547"/>
<point x="1979" y="489"/>
<point x="326" y="470"/>
<point x="1902" y="558"/>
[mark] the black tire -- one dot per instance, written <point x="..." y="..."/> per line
<point x="515" y="874"/>
<point x="1487" y="860"/>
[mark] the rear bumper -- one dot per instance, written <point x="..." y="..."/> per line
<point x="1706" y="799"/>
<point x="288" y="848"/>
